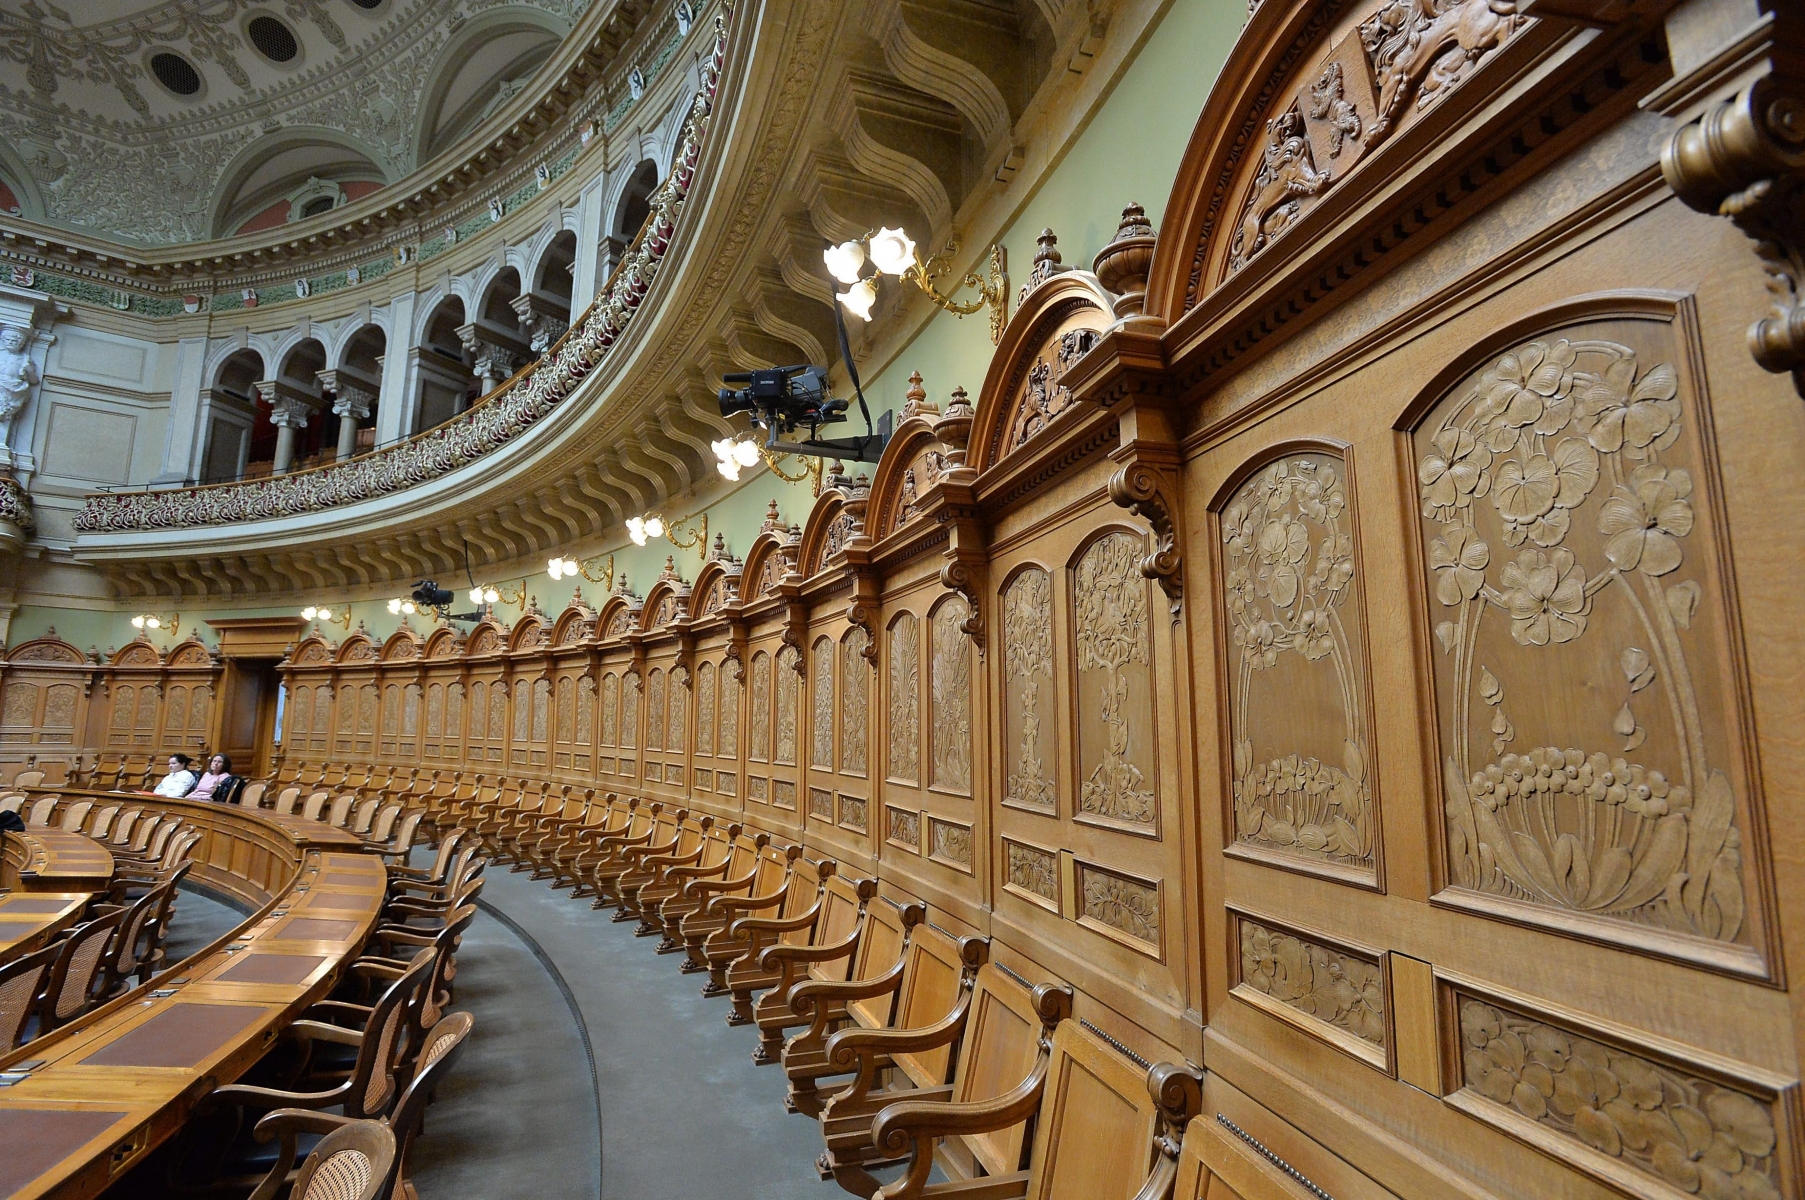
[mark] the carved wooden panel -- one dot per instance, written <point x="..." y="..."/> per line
<point x="1112" y="642"/>
<point x="435" y="710"/>
<point x="676" y="738"/>
<point x="902" y="827"/>
<point x="1584" y="655"/>
<point x="1032" y="873"/>
<point x="322" y="717"/>
<point x="1044" y="395"/>
<point x="784" y="700"/>
<point x="1120" y="906"/>
<point x="821" y="705"/>
<point x="855" y="702"/>
<point x="610" y="709"/>
<point x="629" y="713"/>
<point x="1646" y="1122"/>
<point x="821" y="804"/>
<point x="566" y="706"/>
<point x="758" y="738"/>
<point x="585" y="732"/>
<point x="853" y="810"/>
<point x="655" y="709"/>
<point x="904" y="732"/>
<point x="727" y="743"/>
<point x="541" y="709"/>
<point x="1328" y="990"/>
<point x="949" y="842"/>
<point x="949" y="701"/>
<point x="1297" y="693"/>
<point x="705" y="708"/>
<point x="783" y="794"/>
<point x="1027" y="627"/>
<point x="454" y="719"/>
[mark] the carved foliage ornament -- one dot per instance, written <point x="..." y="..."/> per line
<point x="1297" y="703"/>
<point x="1661" y="1121"/>
<point x="950" y="701"/>
<point x="1404" y="54"/>
<point x="1044" y="394"/>
<point x="855" y="685"/>
<point x="905" y="699"/>
<point x="1582" y="671"/>
<point x="1339" y="989"/>
<point x="1115" y="682"/>
<point x="1028" y="696"/>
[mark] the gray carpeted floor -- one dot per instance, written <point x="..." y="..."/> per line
<point x="199" y="919"/>
<point x="684" y="1113"/>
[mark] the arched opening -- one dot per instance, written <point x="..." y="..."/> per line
<point x="544" y="308"/>
<point x="304" y="424"/>
<point x="237" y="430"/>
<point x="354" y="387"/>
<point x="447" y="385"/>
<point x="630" y="213"/>
<point x="482" y="69"/>
<point x="290" y="177"/>
<point x="492" y="342"/>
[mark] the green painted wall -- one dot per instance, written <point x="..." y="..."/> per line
<point x="1128" y="151"/>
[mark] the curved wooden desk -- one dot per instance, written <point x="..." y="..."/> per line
<point x="50" y="860"/>
<point x="29" y="920"/>
<point x="103" y="1091"/>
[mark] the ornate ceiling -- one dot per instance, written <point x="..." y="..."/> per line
<point x="94" y="136"/>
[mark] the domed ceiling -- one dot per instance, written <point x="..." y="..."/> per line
<point x="174" y="121"/>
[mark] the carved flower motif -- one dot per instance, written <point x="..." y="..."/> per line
<point x="1534" y="496"/>
<point x="1461" y="558"/>
<point x="1546" y="596"/>
<point x="1334" y="564"/>
<point x="1456" y="473"/>
<point x="1259" y="641"/>
<point x="1613" y="414"/>
<point x="1316" y="635"/>
<point x="1284" y="543"/>
<point x="1527" y="387"/>
<point x="1644" y="521"/>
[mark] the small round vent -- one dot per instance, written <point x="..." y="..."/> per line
<point x="316" y="206"/>
<point x="175" y="73"/>
<point x="273" y="39"/>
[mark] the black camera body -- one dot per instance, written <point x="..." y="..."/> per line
<point x="782" y="398"/>
<point x="428" y="594"/>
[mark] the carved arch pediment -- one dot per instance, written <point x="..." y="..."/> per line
<point x="47" y="649"/>
<point x="445" y="643"/>
<point x="619" y="616"/>
<point x="403" y="644"/>
<point x="139" y="652"/>
<point x="575" y="624"/>
<point x="489" y="637"/>
<point x="358" y="648"/>
<point x="913" y="462"/>
<point x="311" y="651"/>
<point x="665" y="603"/>
<point x="1024" y="393"/>
<point x="831" y="524"/>
<point x="191" y="652"/>
<point x="716" y="587"/>
<point x="529" y="633"/>
<point x="771" y="557"/>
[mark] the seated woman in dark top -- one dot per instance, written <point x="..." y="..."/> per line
<point x="212" y="785"/>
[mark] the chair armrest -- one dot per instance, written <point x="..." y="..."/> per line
<point x="849" y="1047"/>
<point x="694" y="873"/>
<point x="319" y="1031"/>
<point x="746" y="925"/>
<point x="912" y="1127"/>
<point x="402" y="935"/>
<point x="287" y="1124"/>
<point x="248" y="1096"/>
<point x="774" y="956"/>
<point x="804" y="996"/>
<point x="712" y="892"/>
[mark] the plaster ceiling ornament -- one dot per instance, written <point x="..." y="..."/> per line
<point x="115" y="149"/>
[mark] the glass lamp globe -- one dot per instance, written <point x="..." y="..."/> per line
<point x="394" y="606"/>
<point x="892" y="251"/>
<point x="636" y="529"/>
<point x="844" y="261"/>
<point x="654" y="527"/>
<point x="745" y="453"/>
<point x="859" y="298"/>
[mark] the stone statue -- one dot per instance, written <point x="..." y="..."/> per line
<point x="17" y="377"/>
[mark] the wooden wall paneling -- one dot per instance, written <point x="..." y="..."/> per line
<point x="47" y="712"/>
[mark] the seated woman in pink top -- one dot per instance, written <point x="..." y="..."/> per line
<point x="219" y="769"/>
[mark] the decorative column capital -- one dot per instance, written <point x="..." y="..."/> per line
<point x="353" y="401"/>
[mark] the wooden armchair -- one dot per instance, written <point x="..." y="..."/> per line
<point x="12" y="801"/>
<point x="917" y="1048"/>
<point x="397" y="944"/>
<point x="314" y="805"/>
<point x="21" y="983"/>
<point x="866" y="998"/>
<point x="397" y="843"/>
<point x="828" y="954"/>
<point x="339" y="815"/>
<point x="615" y="818"/>
<point x="131" y="943"/>
<point x="1105" y="1124"/>
<point x="536" y="802"/>
<point x="286" y="799"/>
<point x="718" y="902"/>
<point x="648" y="864"/>
<point x="41" y="810"/>
<point x="100" y="824"/>
<point x="692" y="887"/>
<point x="443" y="1048"/>
<point x="611" y="862"/>
<point x="27" y="780"/>
<point x="551" y="831"/>
<point x="435" y="875"/>
<point x="363" y="815"/>
<point x="69" y="990"/>
<point x="71" y="818"/>
<point x="356" y="1161"/>
<point x="251" y="794"/>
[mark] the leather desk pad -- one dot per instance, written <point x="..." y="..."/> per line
<point x="179" y="1036"/>
<point x="12" y="906"/>
<point x="36" y="1139"/>
<point x="355" y="903"/>
<point x="271" y="968"/>
<point x="13" y="930"/>
<point x="348" y="878"/>
<point x="308" y="929"/>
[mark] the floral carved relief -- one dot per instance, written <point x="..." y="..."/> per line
<point x="852" y="813"/>
<point x="727" y="744"/>
<point x="1115" y="682"/>
<point x="610" y="710"/>
<point x="821" y="803"/>
<point x="1120" y="903"/>
<point x="949" y="842"/>
<point x="821" y="704"/>
<point x="855" y="685"/>
<point x="1620" y="1109"/>
<point x="904" y="827"/>
<point x="950" y="700"/>
<point x="784" y="745"/>
<point x="655" y="711"/>
<point x="675" y="738"/>
<point x="705" y="715"/>
<point x="1033" y="870"/>
<point x="905" y="698"/>
<point x="759" y="738"/>
<point x="1297" y="705"/>
<point x="1572" y="572"/>
<point x="1028" y="666"/>
<point x="629" y="711"/>
<point x="1331" y="985"/>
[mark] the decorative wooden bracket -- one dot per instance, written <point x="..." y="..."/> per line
<point x="736" y="650"/>
<point x="954" y="502"/>
<point x="1150" y="493"/>
<point x="1744" y="159"/>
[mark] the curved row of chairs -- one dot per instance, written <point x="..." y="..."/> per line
<point x="120" y="940"/>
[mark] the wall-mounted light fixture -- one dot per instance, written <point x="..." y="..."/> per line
<point x="488" y="593"/>
<point x="892" y="252"/>
<point x="148" y="621"/>
<point x="691" y="533"/>
<point x="329" y="616"/>
<point x="570" y="568"/>
<point x="403" y="607"/>
<point x="643" y="529"/>
<point x="736" y="454"/>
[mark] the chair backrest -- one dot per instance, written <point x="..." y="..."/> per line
<point x="742" y="855"/>
<point x="126" y="950"/>
<point x="363" y="814"/>
<point x="448" y="848"/>
<point x="74" y="815"/>
<point x="285" y="800"/>
<point x="382" y="826"/>
<point x="353" y="1162"/>
<point x="102" y="824"/>
<point x="147" y="829"/>
<point x="440" y="1051"/>
<point x="12" y="801"/>
<point x="883" y="947"/>
<point x="123" y="825"/>
<point x="842" y="916"/>
<point x="372" y="1088"/>
<point x="1004" y="1037"/>
<point x="72" y="979"/>
<point x="21" y="982"/>
<point x="41" y="809"/>
<point x="314" y="805"/>
<point x="28" y="779"/>
<point x="341" y="809"/>
<point x="252" y="794"/>
<point x="774" y="867"/>
<point x="808" y="892"/>
<point x="938" y="973"/>
<point x="159" y="841"/>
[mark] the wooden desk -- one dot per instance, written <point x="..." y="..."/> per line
<point x="50" y="860"/>
<point x="29" y="920"/>
<point x="115" y="1084"/>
